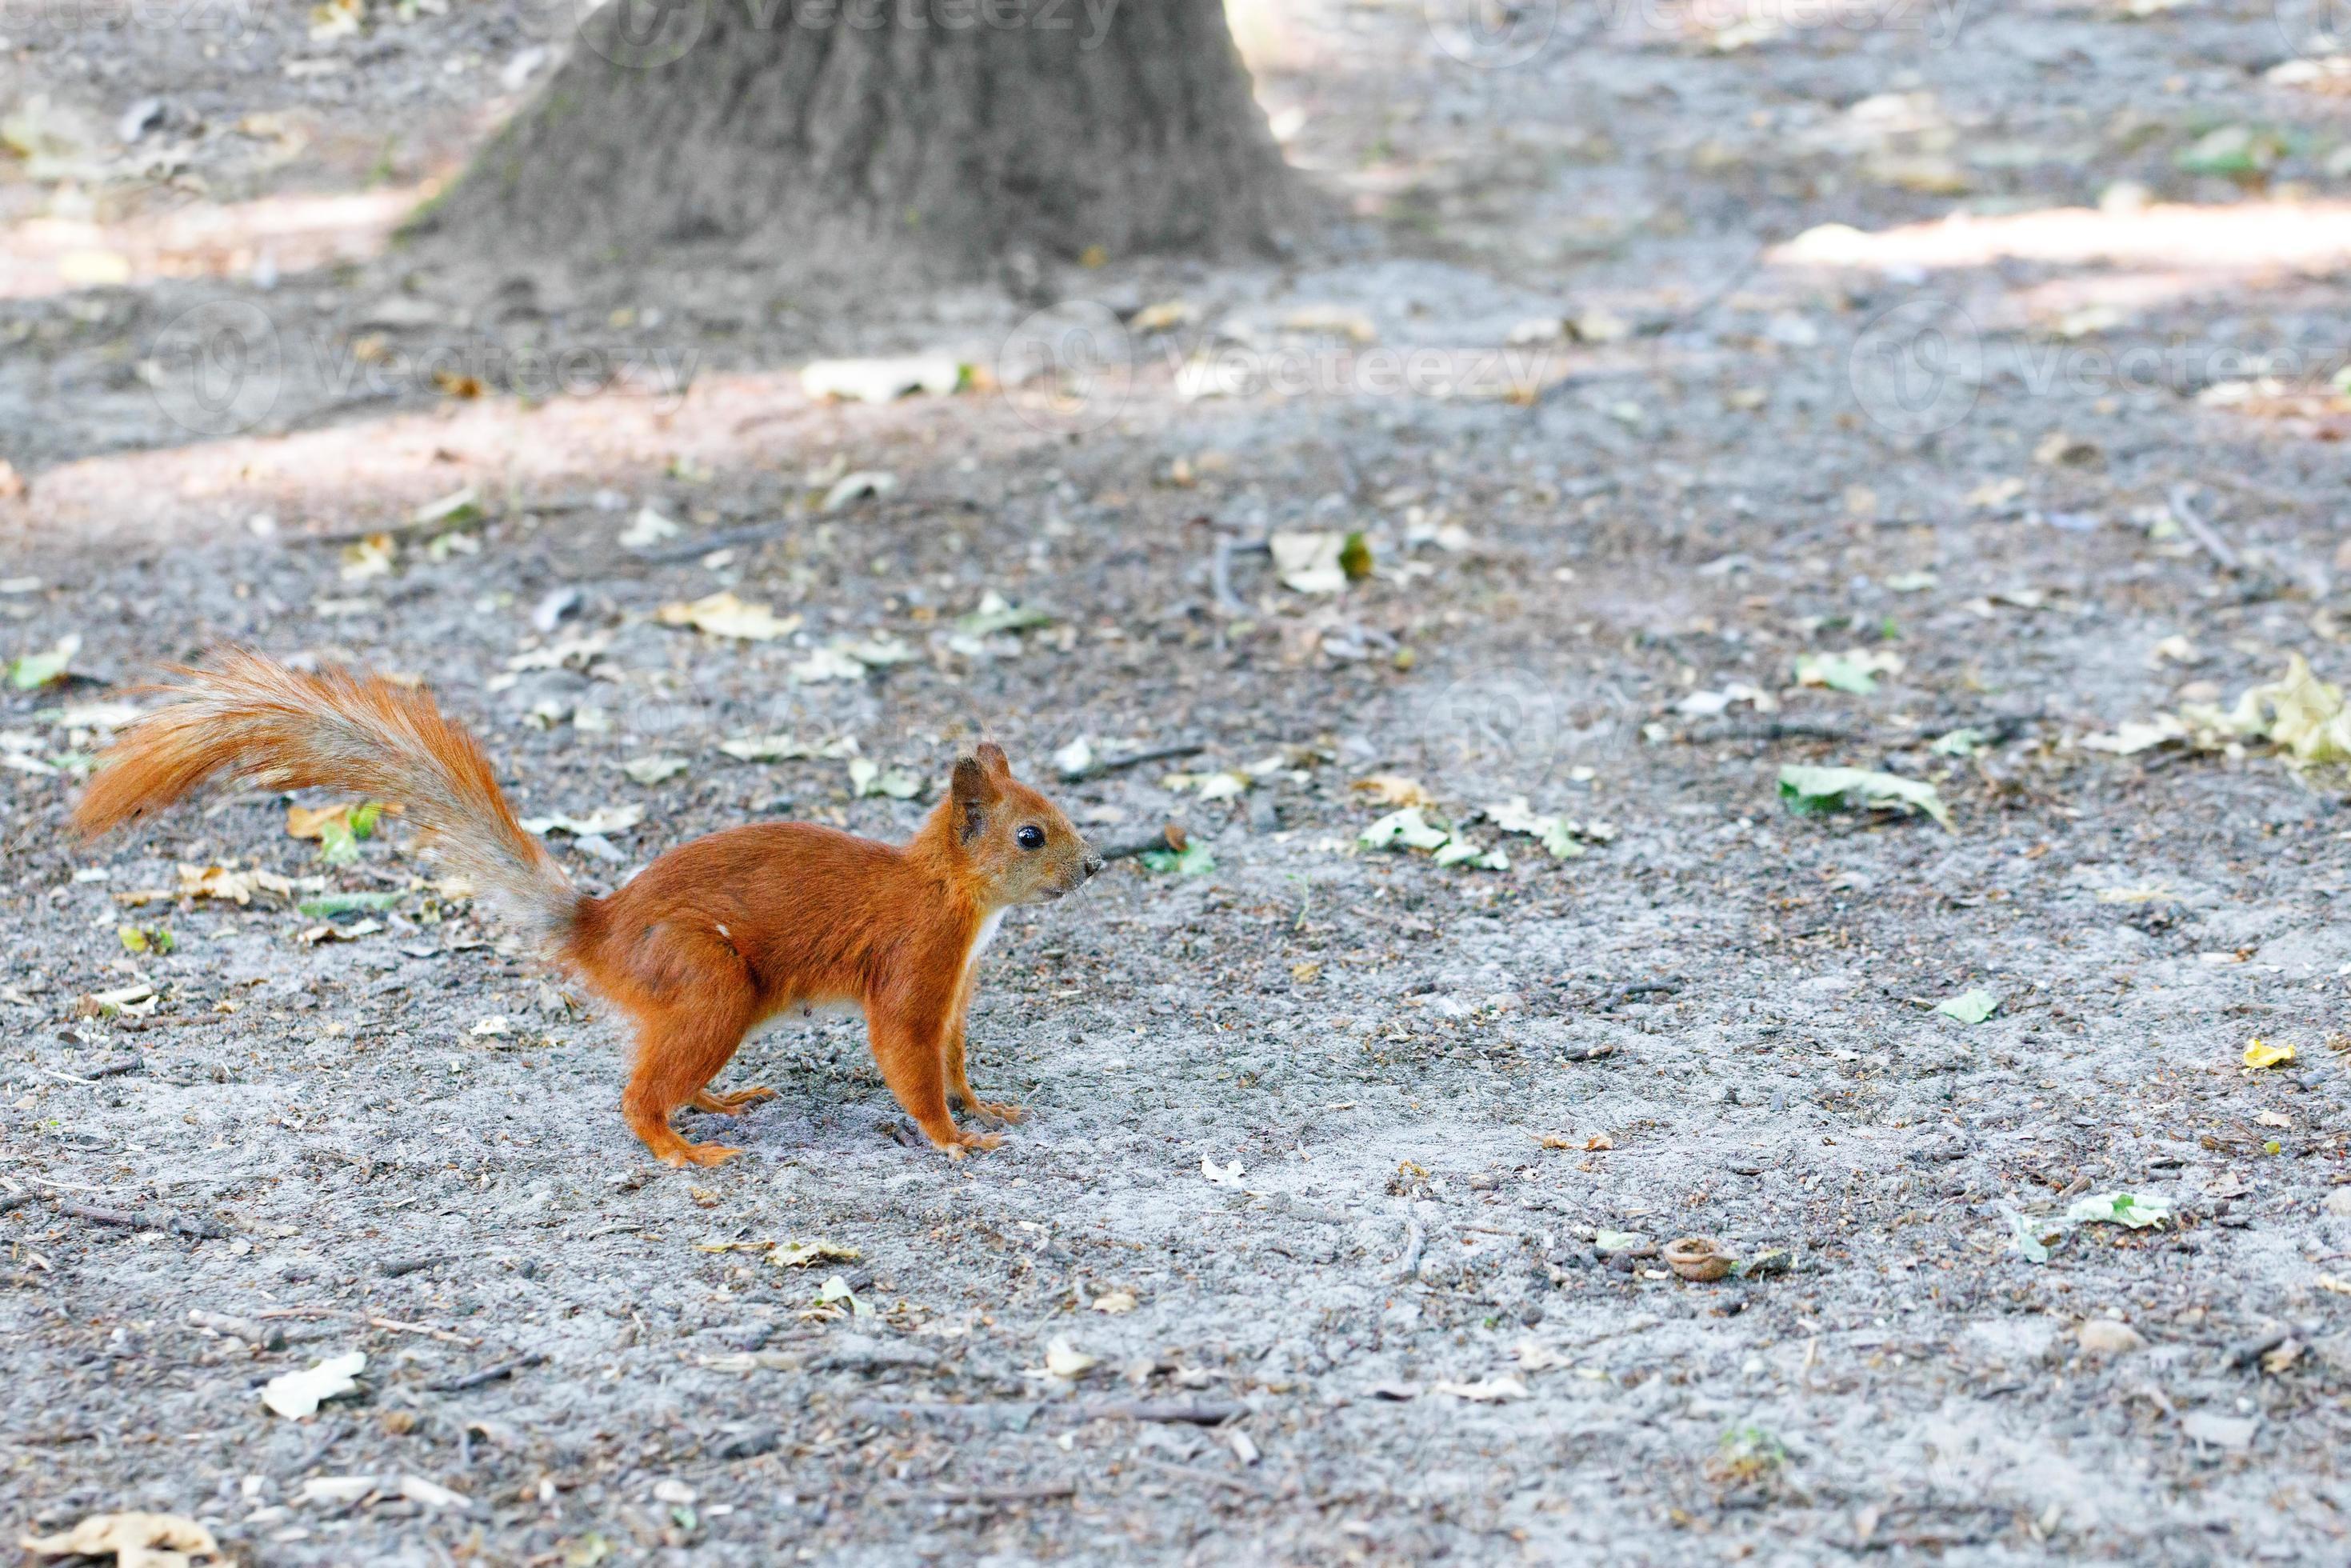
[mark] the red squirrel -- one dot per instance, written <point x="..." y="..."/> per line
<point x="711" y="940"/>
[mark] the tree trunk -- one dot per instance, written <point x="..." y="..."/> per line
<point x="868" y="141"/>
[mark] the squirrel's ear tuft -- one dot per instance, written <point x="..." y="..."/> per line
<point x="972" y="791"/>
<point x="992" y="756"/>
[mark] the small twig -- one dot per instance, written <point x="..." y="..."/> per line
<point x="504" y="1369"/>
<point x="696" y="548"/>
<point x="332" y="1432"/>
<point x="1414" y="1239"/>
<point x="1177" y="1412"/>
<point x="462" y="524"/>
<point x="1795" y="727"/>
<point x="245" y="1328"/>
<point x="1170" y="837"/>
<point x="142" y="1220"/>
<point x="1043" y="1491"/>
<point x="1710" y="299"/>
<point x="2184" y="508"/>
<point x="1205" y="1478"/>
<point x="1220" y="571"/>
<point x="126" y="1024"/>
<point x="1172" y="1412"/>
<point x="389" y="1326"/>
<point x="1608" y="1000"/>
<point x="1108" y="765"/>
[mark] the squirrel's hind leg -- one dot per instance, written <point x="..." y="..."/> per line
<point x="731" y="1102"/>
<point x="679" y="1052"/>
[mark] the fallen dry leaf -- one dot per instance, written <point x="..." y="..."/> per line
<point x="1064" y="1360"/>
<point x="802" y="1254"/>
<point x="2260" y="1053"/>
<point x="315" y="822"/>
<point x="1486" y="1391"/>
<point x="721" y="614"/>
<point x="298" y="1393"/>
<point x="1396" y="790"/>
<point x="133" y="1540"/>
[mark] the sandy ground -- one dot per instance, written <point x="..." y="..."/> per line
<point x="1347" y="1169"/>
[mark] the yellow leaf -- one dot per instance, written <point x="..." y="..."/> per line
<point x="313" y="821"/>
<point x="1396" y="790"/>
<point x="2260" y="1053"/>
<point x="800" y="1254"/>
<point x="724" y="615"/>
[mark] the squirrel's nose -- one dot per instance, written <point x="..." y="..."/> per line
<point x="1093" y="864"/>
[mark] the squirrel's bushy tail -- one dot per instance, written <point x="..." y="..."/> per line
<point x="251" y="718"/>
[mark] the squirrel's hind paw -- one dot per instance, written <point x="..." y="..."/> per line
<point x="732" y="1102"/>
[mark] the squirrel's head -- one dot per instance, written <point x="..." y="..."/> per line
<point x="1016" y="842"/>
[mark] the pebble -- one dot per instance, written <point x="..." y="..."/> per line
<point x="2105" y="1336"/>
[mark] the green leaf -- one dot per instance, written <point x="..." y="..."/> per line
<point x="1406" y="829"/>
<point x="2118" y="1209"/>
<point x="1355" y="557"/>
<point x="2021" y="1231"/>
<point x="2234" y="149"/>
<point x="1836" y="671"/>
<point x="1011" y="618"/>
<point x="1810" y="791"/>
<point x="364" y="817"/>
<point x="1971" y="1007"/>
<point x="1959" y="743"/>
<point x="39" y="669"/>
<point x="334" y="904"/>
<point x="836" y="1289"/>
<point x="1194" y="860"/>
<point x="338" y="846"/>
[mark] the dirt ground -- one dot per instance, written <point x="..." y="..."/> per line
<point x="1348" y="1169"/>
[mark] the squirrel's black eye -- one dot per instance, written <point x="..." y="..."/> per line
<point x="1031" y="837"/>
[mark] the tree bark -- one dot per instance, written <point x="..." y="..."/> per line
<point x="865" y="142"/>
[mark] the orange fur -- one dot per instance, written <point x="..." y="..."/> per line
<point x="710" y="940"/>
